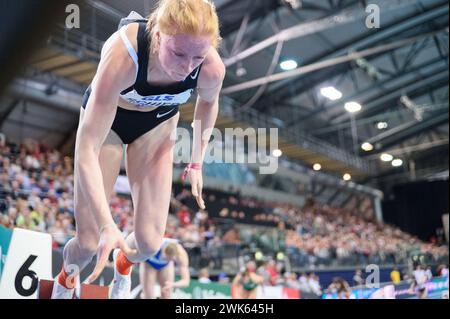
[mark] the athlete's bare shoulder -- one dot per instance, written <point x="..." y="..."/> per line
<point x="211" y="77"/>
<point x="213" y="70"/>
<point x="115" y="61"/>
<point x="131" y="30"/>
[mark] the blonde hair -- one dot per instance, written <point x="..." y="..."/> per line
<point x="171" y="250"/>
<point x="193" y="17"/>
<point x="203" y="272"/>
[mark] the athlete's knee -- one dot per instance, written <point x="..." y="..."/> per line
<point x="148" y="245"/>
<point x="147" y="293"/>
<point x="148" y="248"/>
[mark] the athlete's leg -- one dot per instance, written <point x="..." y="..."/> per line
<point x="80" y="249"/>
<point x="147" y="276"/>
<point x="149" y="169"/>
<point x="164" y="275"/>
<point x="251" y="294"/>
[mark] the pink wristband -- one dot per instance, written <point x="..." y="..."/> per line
<point x="196" y="166"/>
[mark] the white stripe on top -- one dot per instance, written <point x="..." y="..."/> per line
<point x="130" y="48"/>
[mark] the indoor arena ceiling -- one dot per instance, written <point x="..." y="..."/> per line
<point x="401" y="80"/>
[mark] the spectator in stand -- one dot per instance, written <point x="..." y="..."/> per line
<point x="291" y="281"/>
<point x="429" y="273"/>
<point x="342" y="288"/>
<point x="59" y="233"/>
<point x="395" y="276"/>
<point x="233" y="200"/>
<point x="303" y="283"/>
<point x="223" y="279"/>
<point x="215" y="248"/>
<point x="272" y="270"/>
<point x="420" y="282"/>
<point x="201" y="217"/>
<point x="314" y="285"/>
<point x="358" y="280"/>
<point x="232" y="236"/>
<point x="203" y="276"/>
<point x="184" y="217"/>
<point x="443" y="271"/>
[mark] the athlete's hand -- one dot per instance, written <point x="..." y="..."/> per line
<point x="194" y="171"/>
<point x="196" y="178"/>
<point x="110" y="238"/>
<point x="168" y="285"/>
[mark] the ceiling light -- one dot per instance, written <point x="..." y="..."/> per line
<point x="367" y="146"/>
<point x="331" y="93"/>
<point x="352" y="107"/>
<point x="397" y="162"/>
<point x="288" y="65"/>
<point x="385" y="157"/>
<point x="382" y="125"/>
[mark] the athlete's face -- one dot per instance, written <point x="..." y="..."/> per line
<point x="180" y="54"/>
<point x="251" y="266"/>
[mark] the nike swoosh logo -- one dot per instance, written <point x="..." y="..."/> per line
<point x="193" y="77"/>
<point x="161" y="115"/>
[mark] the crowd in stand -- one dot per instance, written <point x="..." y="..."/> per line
<point x="36" y="192"/>
<point x="324" y="234"/>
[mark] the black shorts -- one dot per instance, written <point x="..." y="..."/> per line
<point x="421" y="289"/>
<point x="130" y="125"/>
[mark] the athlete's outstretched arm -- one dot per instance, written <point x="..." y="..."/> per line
<point x="115" y="72"/>
<point x="183" y="264"/>
<point x="236" y="279"/>
<point x="206" y="111"/>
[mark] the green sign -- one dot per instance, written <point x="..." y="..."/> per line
<point x="198" y="290"/>
<point x="5" y="239"/>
